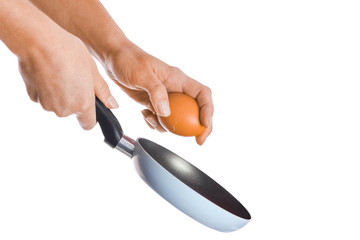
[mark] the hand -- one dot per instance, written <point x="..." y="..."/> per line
<point x="147" y="80"/>
<point x="143" y="77"/>
<point x="61" y="75"/>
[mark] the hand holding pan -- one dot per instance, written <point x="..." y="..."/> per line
<point x="176" y="180"/>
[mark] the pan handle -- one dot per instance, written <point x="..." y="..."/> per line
<point x="109" y="124"/>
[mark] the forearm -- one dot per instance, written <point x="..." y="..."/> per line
<point x="88" y="20"/>
<point x="23" y="28"/>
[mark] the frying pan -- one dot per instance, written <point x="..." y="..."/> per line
<point x="176" y="180"/>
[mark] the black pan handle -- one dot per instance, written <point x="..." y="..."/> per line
<point x="109" y="124"/>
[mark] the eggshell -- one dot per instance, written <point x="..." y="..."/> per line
<point x="184" y="119"/>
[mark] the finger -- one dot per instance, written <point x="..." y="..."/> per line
<point x="152" y="120"/>
<point x="158" y="96"/>
<point x="87" y="117"/>
<point x="202" y="138"/>
<point x="203" y="96"/>
<point x="206" y="106"/>
<point x="150" y="126"/>
<point x="102" y="91"/>
<point x="32" y="94"/>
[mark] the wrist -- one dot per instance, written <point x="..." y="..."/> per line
<point x="24" y="28"/>
<point x="44" y="43"/>
<point x="108" y="46"/>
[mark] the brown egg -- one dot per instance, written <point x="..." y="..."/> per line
<point x="184" y="119"/>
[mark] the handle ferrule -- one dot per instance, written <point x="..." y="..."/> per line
<point x="126" y="146"/>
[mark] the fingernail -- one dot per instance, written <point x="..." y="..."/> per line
<point x="163" y="109"/>
<point x="113" y="103"/>
<point x="151" y="121"/>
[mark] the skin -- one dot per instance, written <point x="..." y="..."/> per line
<point x="56" y="67"/>
<point x="66" y="85"/>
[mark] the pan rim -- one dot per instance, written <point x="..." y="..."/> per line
<point x="194" y="178"/>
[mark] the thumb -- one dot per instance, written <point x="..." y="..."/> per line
<point x="102" y="91"/>
<point x="159" y="97"/>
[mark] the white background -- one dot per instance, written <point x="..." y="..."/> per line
<point x="285" y="81"/>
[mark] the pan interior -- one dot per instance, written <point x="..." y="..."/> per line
<point x="194" y="178"/>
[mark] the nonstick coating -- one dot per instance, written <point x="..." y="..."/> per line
<point x="188" y="188"/>
<point x="180" y="183"/>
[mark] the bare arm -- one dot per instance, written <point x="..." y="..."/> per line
<point x="17" y="29"/>
<point x="143" y="77"/>
<point x="56" y="67"/>
<point x="88" y="20"/>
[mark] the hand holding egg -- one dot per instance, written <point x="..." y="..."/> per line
<point x="184" y="119"/>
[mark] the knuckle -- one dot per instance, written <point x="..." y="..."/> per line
<point x="175" y="70"/>
<point x="46" y="107"/>
<point x="33" y="97"/>
<point x="102" y="87"/>
<point x="207" y="90"/>
<point x="62" y="112"/>
<point x="157" y="86"/>
<point x="83" y="107"/>
<point x="61" y="108"/>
